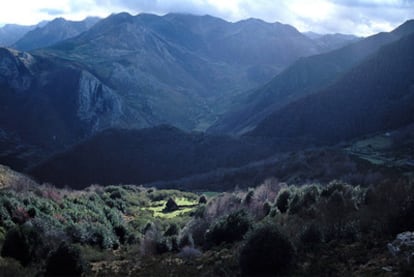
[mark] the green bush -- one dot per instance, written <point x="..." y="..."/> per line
<point x="21" y="244"/>
<point x="230" y="228"/>
<point x="202" y="199"/>
<point x="172" y="230"/>
<point x="267" y="252"/>
<point x="65" y="261"/>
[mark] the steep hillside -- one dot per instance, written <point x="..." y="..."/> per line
<point x="53" y="32"/>
<point x="136" y="72"/>
<point x="140" y="156"/>
<point x="198" y="63"/>
<point x="306" y="76"/>
<point x="375" y="96"/>
<point x="51" y="104"/>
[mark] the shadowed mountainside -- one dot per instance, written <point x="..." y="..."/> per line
<point x="375" y="96"/>
<point x="306" y="76"/>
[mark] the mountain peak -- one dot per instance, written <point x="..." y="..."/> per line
<point x="406" y="28"/>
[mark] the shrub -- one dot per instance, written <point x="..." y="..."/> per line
<point x="193" y="233"/>
<point x="65" y="261"/>
<point x="199" y="211"/>
<point x="20" y="215"/>
<point x="154" y="243"/>
<point x="202" y="199"/>
<point x="121" y="232"/>
<point x="311" y="235"/>
<point x="229" y="229"/>
<point x="16" y="246"/>
<point x="295" y="203"/>
<point x="186" y="240"/>
<point x="282" y="202"/>
<point x="21" y="244"/>
<point x="267" y="252"/>
<point x="249" y="197"/>
<point x="267" y="208"/>
<point x="172" y="230"/>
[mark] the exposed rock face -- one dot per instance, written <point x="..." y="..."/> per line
<point x="403" y="247"/>
<point x="51" y="103"/>
<point x="15" y="69"/>
<point x="99" y="106"/>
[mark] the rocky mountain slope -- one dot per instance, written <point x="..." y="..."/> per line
<point x="135" y="72"/>
<point x="52" y="104"/>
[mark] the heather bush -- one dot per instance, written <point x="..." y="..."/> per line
<point x="268" y="191"/>
<point x="193" y="233"/>
<point x="267" y="252"/>
<point x="153" y="242"/>
<point x="230" y="228"/>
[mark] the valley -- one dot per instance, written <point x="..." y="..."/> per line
<point x="189" y="145"/>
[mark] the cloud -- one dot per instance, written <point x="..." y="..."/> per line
<point x="53" y="12"/>
<point x="362" y="17"/>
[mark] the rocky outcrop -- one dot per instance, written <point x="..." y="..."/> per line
<point x="15" y="69"/>
<point x="98" y="105"/>
<point x="402" y="247"/>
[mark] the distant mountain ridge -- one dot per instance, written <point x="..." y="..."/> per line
<point x="374" y="96"/>
<point x="136" y="71"/>
<point x="10" y="33"/>
<point x="54" y="31"/>
<point x="304" y="77"/>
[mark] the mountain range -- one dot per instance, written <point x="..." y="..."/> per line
<point x="10" y="33"/>
<point x="304" y="77"/>
<point x="375" y="96"/>
<point x="87" y="99"/>
<point x="136" y="71"/>
<point x="52" y="32"/>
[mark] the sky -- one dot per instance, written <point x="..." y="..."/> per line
<point x="359" y="17"/>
